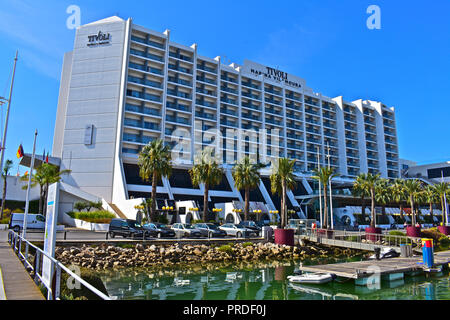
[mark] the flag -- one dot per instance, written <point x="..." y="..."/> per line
<point x="20" y="152"/>
<point x="46" y="159"/>
<point x="26" y="173"/>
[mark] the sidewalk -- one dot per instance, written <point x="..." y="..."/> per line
<point x="17" y="283"/>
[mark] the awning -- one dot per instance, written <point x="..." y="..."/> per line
<point x="38" y="160"/>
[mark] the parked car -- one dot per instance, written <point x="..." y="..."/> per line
<point x="159" y="230"/>
<point x="186" y="230"/>
<point x="237" y="230"/>
<point x="252" y="225"/>
<point x="34" y="221"/>
<point x="210" y="230"/>
<point x="127" y="228"/>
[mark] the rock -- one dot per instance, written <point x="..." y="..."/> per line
<point x="139" y="247"/>
<point x="197" y="252"/>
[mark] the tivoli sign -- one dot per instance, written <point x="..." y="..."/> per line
<point x="99" y="39"/>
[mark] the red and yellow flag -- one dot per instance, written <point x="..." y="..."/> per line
<point x="20" y="152"/>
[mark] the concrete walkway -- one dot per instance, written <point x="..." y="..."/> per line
<point x="17" y="283"/>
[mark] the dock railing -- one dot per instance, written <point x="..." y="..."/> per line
<point x="19" y="244"/>
<point x="342" y="237"/>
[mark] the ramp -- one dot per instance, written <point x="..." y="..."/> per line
<point x="117" y="211"/>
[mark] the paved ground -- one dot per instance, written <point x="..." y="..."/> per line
<point x="16" y="280"/>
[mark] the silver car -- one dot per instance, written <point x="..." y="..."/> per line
<point x="238" y="231"/>
<point x="186" y="230"/>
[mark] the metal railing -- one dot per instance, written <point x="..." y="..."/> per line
<point x="17" y="241"/>
<point x="340" y="236"/>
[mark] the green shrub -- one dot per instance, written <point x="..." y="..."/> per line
<point x="226" y="248"/>
<point x="396" y="233"/>
<point x="163" y="219"/>
<point x="93" y="217"/>
<point x="444" y="241"/>
<point x="247" y="244"/>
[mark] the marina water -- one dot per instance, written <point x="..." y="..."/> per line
<point x="262" y="281"/>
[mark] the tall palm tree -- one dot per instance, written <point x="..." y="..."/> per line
<point x="281" y="180"/>
<point x="413" y="189"/>
<point x="361" y="190"/>
<point x="398" y="193"/>
<point x="45" y="175"/>
<point x="370" y="180"/>
<point x="5" y="173"/>
<point x="206" y="171"/>
<point x="324" y="175"/>
<point x="382" y="194"/>
<point x="431" y="198"/>
<point x="442" y="188"/>
<point x="246" y="176"/>
<point x="155" y="161"/>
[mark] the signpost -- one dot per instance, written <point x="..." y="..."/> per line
<point x="50" y="234"/>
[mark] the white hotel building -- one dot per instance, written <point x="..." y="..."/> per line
<point x="124" y="85"/>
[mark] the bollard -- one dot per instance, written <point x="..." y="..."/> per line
<point x="427" y="252"/>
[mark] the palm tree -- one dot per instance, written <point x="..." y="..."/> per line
<point x="281" y="180"/>
<point x="442" y="189"/>
<point x="398" y="193"/>
<point x="431" y="197"/>
<point x="360" y="189"/>
<point x="324" y="175"/>
<point x="5" y="173"/>
<point x="45" y="175"/>
<point x="206" y="171"/>
<point x="155" y="162"/>
<point x="369" y="181"/>
<point x="382" y="194"/>
<point x="412" y="189"/>
<point x="246" y="176"/>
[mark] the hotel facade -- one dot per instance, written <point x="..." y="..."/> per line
<point x="124" y="85"/>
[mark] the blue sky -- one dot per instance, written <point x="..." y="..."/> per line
<point x="406" y="64"/>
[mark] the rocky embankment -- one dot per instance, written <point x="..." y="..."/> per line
<point x="105" y="256"/>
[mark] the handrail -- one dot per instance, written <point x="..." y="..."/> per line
<point x="351" y="236"/>
<point x="12" y="239"/>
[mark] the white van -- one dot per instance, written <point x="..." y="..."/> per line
<point x="34" y="221"/>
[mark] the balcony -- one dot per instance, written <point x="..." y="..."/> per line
<point x="228" y="123"/>
<point x="228" y="112"/>
<point x="226" y="89"/>
<point x="229" y="79"/>
<point x="179" y="107"/>
<point x="206" y="80"/>
<point x="273" y="101"/>
<point x="180" y="56"/>
<point x="127" y="137"/>
<point x="143" y="110"/>
<point x="251" y="106"/>
<point x="141" y="125"/>
<point x="205" y="115"/>
<point x="250" y="117"/>
<point x="180" y="81"/>
<point x="274" y="122"/>
<point x="252" y="96"/>
<point x="230" y="101"/>
<point x="146" y="55"/>
<point x="145" y="69"/>
<point x="208" y="92"/>
<point x="279" y="93"/>
<point x="250" y="85"/>
<point x="179" y="94"/>
<point x="294" y="136"/>
<point x="179" y="120"/>
<point x="181" y="69"/>
<point x="206" y="104"/>
<point x="294" y="126"/>
<point x="148" y="42"/>
<point x="207" y="69"/>
<point x="144" y="96"/>
<point x="145" y="82"/>
<point x="312" y="102"/>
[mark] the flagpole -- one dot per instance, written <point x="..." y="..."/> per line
<point x="7" y="113"/>
<point x="445" y="201"/>
<point x="320" y="187"/>
<point x="331" y="194"/>
<point x="27" y="199"/>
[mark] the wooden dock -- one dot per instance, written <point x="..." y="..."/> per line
<point x="364" y="269"/>
<point x="17" y="283"/>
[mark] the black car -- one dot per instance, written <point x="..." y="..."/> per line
<point x="127" y="228"/>
<point x="210" y="230"/>
<point x="252" y="225"/>
<point x="159" y="230"/>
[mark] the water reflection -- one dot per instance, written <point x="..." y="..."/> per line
<point x="259" y="282"/>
